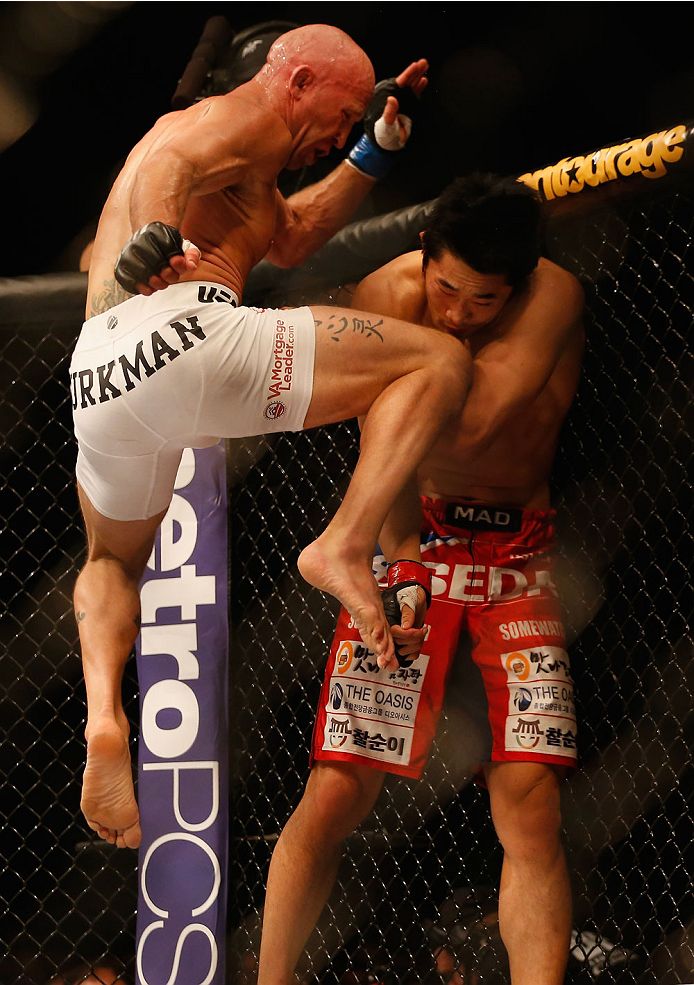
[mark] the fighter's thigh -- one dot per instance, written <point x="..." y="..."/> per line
<point x="359" y="354"/>
<point x="128" y="541"/>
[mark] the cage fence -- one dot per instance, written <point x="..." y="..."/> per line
<point x="622" y="489"/>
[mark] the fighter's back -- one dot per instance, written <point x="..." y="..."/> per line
<point x="228" y="150"/>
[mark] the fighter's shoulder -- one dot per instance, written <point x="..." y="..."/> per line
<point x="546" y="310"/>
<point x="396" y="288"/>
<point x="236" y="117"/>
<point x="549" y="280"/>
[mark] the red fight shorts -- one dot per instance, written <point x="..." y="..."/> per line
<point x="492" y="579"/>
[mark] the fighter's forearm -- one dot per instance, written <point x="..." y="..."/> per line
<point x="316" y="212"/>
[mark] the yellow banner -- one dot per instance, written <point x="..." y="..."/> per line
<point x="648" y="156"/>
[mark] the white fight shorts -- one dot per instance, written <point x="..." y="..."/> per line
<point x="180" y="369"/>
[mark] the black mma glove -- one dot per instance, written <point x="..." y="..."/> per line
<point x="146" y="254"/>
<point x="374" y="154"/>
<point x="404" y="578"/>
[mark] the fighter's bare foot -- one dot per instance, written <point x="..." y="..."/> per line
<point x="108" y="796"/>
<point x="328" y="568"/>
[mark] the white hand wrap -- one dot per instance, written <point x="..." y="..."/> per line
<point x="407" y="596"/>
<point x="187" y="245"/>
<point x="389" y="136"/>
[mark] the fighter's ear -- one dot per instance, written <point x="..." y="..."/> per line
<point x="300" y="79"/>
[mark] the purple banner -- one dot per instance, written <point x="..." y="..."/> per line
<point x="182" y="660"/>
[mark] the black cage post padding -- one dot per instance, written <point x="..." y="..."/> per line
<point x="623" y="491"/>
<point x="43" y="301"/>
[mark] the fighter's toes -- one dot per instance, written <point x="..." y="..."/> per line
<point x="104" y="833"/>
<point x="353" y="583"/>
<point x="130" y="837"/>
<point x="108" y="798"/>
<point x="376" y="635"/>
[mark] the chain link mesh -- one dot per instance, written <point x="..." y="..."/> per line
<point x="68" y="905"/>
<point x="624" y="497"/>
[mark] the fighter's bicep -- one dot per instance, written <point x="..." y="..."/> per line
<point x="515" y="375"/>
<point x="543" y="331"/>
<point x="508" y="378"/>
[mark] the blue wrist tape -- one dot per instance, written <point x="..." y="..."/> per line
<point x="369" y="158"/>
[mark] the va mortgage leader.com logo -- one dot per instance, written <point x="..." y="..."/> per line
<point x="182" y="668"/>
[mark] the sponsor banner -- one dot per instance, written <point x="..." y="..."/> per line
<point x="370" y="711"/>
<point x="542" y="698"/>
<point x="650" y="157"/>
<point x="541" y="710"/>
<point x="537" y="664"/>
<point x="182" y="658"/>
<point x="541" y="734"/>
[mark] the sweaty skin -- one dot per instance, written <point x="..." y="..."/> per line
<point x="211" y="171"/>
<point x="526" y="347"/>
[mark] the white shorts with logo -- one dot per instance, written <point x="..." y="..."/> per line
<point x="180" y="369"/>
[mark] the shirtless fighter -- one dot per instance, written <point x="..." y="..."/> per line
<point x="157" y="372"/>
<point x="487" y="539"/>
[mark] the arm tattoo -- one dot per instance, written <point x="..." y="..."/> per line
<point x="337" y="324"/>
<point x="80" y="616"/>
<point x="111" y="294"/>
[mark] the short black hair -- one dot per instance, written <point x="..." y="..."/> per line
<point x="491" y="223"/>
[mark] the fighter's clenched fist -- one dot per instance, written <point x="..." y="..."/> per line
<point x="154" y="257"/>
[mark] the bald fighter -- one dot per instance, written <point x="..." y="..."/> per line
<point x="169" y="358"/>
<point x="487" y="539"/>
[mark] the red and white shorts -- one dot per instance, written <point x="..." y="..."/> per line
<point x="492" y="579"/>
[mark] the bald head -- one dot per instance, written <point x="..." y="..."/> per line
<point x="319" y="82"/>
<point x="331" y="54"/>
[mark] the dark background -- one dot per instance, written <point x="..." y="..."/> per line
<point x="513" y="86"/>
